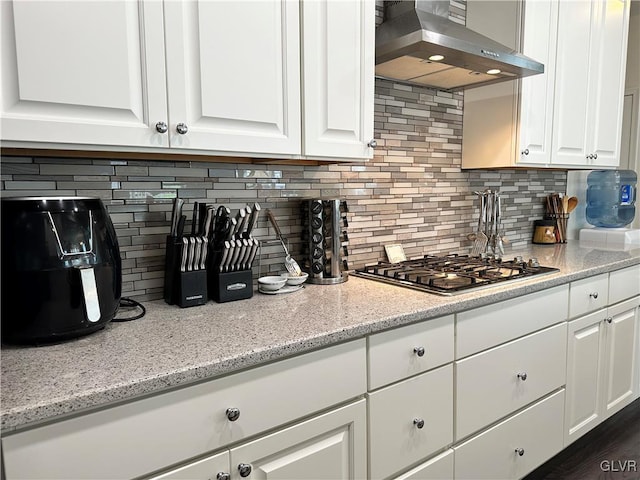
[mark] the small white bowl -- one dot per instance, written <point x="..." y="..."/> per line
<point x="272" y="283"/>
<point x="296" y="279"/>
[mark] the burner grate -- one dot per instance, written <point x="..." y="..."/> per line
<point x="451" y="274"/>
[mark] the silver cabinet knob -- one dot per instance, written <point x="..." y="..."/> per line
<point x="418" y="422"/>
<point x="525" y="151"/>
<point x="233" y="414"/>
<point x="594" y="295"/>
<point x="244" y="469"/>
<point x="162" y="127"/>
<point x="181" y="128"/>
<point x="608" y="319"/>
<point x="595" y="156"/>
<point x="522" y="376"/>
<point x="418" y="351"/>
<point x="223" y="476"/>
<point x="372" y="143"/>
<point x="520" y="451"/>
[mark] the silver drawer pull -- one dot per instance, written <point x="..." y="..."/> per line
<point x="608" y="319"/>
<point x="522" y="376"/>
<point x="520" y="451"/>
<point x="244" y="469"/>
<point x="593" y="295"/>
<point x="233" y="414"/>
<point x="418" y="351"/>
<point x="223" y="476"/>
<point x="418" y="422"/>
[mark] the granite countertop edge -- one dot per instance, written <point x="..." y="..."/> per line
<point x="53" y="409"/>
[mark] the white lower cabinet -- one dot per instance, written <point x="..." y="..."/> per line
<point x="153" y="433"/>
<point x="514" y="447"/>
<point x="329" y="446"/>
<point x="409" y="421"/>
<point x="495" y="383"/>
<point x="602" y="358"/>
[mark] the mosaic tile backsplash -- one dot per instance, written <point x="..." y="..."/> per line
<point x="412" y="192"/>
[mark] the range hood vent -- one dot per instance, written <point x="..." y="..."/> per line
<point x="415" y="30"/>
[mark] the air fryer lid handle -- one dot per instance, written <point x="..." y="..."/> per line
<point x="90" y="293"/>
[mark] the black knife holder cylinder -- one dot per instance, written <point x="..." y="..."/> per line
<point x="324" y="240"/>
<point x="182" y="288"/>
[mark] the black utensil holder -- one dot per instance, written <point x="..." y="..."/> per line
<point x="230" y="286"/>
<point x="185" y="289"/>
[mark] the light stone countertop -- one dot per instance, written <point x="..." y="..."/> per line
<point x="172" y="347"/>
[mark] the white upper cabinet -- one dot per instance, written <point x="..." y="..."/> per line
<point x="233" y="75"/>
<point x="592" y="45"/>
<point x="205" y="77"/>
<point x="338" y="66"/>
<point x="89" y="73"/>
<point x="570" y="116"/>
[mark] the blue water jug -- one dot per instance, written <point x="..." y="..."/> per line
<point x="611" y="198"/>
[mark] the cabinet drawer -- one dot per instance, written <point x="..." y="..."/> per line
<point x="395" y="354"/>
<point x="266" y="396"/>
<point x="588" y="295"/>
<point x="492" y="455"/>
<point x="485" y="327"/>
<point x="624" y="284"/>
<point x="488" y="385"/>
<point x="439" y="467"/>
<point x="395" y="441"/>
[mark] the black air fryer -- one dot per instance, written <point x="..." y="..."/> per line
<point x="61" y="269"/>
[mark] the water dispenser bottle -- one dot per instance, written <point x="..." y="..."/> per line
<point x="611" y="196"/>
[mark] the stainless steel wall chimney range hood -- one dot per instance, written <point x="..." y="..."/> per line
<point x="418" y="44"/>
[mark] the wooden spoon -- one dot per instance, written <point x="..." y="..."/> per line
<point x="572" y="204"/>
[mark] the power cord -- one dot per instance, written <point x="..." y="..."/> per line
<point x="129" y="303"/>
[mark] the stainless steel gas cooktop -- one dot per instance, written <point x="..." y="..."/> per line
<point x="452" y="274"/>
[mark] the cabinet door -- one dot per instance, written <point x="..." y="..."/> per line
<point x="536" y="94"/>
<point x="88" y="73"/>
<point x="607" y="77"/>
<point x="572" y="83"/>
<point x="621" y="329"/>
<point x="397" y="439"/>
<point x="329" y="446"/>
<point x="585" y="342"/>
<point x="338" y="63"/>
<point x="233" y="75"/>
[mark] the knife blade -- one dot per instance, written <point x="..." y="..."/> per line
<point x="175" y="215"/>
<point x="207" y="222"/>
<point x="181" y="222"/>
<point x="253" y="219"/>
<point x="197" y="253"/>
<point x="254" y="251"/>
<point x="203" y="254"/>
<point x="225" y="256"/>
<point x="194" y="219"/>
<point x="236" y="254"/>
<point x="232" y="252"/>
<point x="240" y="220"/>
<point x="183" y="258"/>
<point x="191" y="243"/>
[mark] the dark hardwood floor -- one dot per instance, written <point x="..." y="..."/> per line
<point x="609" y="451"/>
